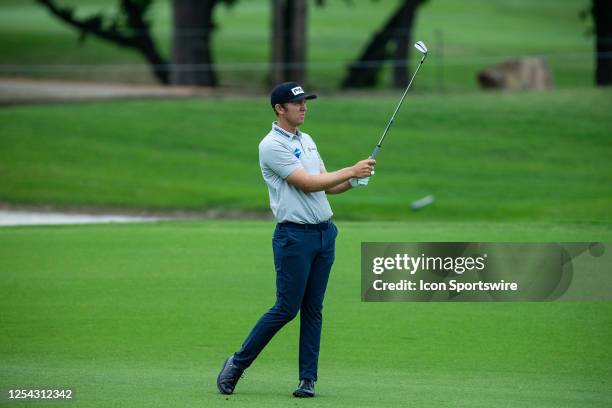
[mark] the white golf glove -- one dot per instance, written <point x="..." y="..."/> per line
<point x="360" y="182"/>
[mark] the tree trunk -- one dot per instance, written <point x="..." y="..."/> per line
<point x="402" y="41"/>
<point x="602" y="16"/>
<point x="400" y="59"/>
<point x="289" y="18"/>
<point x="192" y="62"/>
<point x="364" y="72"/>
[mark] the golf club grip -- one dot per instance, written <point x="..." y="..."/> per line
<point x="375" y="153"/>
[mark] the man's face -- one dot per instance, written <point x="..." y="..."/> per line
<point x="294" y="112"/>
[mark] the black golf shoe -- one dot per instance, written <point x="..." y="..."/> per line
<point x="229" y="376"/>
<point x="305" y="389"/>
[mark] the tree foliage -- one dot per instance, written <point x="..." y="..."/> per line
<point x="129" y="27"/>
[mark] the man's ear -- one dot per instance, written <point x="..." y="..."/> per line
<point x="279" y="108"/>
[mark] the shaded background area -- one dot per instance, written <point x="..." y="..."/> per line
<point x="464" y="38"/>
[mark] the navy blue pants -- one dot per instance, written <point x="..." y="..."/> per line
<point x="303" y="257"/>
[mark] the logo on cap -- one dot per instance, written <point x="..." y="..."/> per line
<point x="297" y="90"/>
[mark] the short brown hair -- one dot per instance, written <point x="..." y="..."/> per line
<point x="284" y="105"/>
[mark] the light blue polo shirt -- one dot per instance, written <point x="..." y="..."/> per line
<point x="280" y="154"/>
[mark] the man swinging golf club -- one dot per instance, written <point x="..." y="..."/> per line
<point x="304" y="239"/>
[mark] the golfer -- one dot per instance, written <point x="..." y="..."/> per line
<point x="304" y="238"/>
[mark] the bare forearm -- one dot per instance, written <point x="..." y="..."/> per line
<point x="334" y="181"/>
<point x="340" y="188"/>
<point x="327" y="181"/>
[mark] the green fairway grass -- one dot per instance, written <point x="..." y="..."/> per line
<point x="463" y="37"/>
<point x="143" y="316"/>
<point x="514" y="156"/>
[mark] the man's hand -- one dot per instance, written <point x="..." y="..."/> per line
<point x="363" y="168"/>
<point x="360" y="182"/>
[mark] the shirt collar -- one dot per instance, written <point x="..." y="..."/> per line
<point x="284" y="133"/>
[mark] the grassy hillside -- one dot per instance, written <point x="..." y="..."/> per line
<point x="463" y="37"/>
<point x="537" y="156"/>
<point x="143" y="315"/>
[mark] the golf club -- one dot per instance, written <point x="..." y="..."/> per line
<point x="419" y="45"/>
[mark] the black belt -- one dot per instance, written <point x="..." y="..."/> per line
<point x="319" y="227"/>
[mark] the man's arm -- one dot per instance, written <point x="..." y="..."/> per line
<point x="340" y="188"/>
<point x="310" y="183"/>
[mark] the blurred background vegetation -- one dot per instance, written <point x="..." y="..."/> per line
<point x="464" y="37"/>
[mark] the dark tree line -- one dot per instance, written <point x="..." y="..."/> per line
<point x="192" y="63"/>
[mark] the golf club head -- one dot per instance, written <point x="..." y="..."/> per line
<point x="420" y="45"/>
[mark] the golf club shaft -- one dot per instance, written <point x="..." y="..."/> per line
<point x="379" y="145"/>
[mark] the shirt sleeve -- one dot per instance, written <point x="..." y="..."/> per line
<point x="318" y="154"/>
<point x="278" y="159"/>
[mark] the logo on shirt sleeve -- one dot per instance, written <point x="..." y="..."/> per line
<point x="297" y="152"/>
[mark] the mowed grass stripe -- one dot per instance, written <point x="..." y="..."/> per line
<point x="142" y="315"/>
